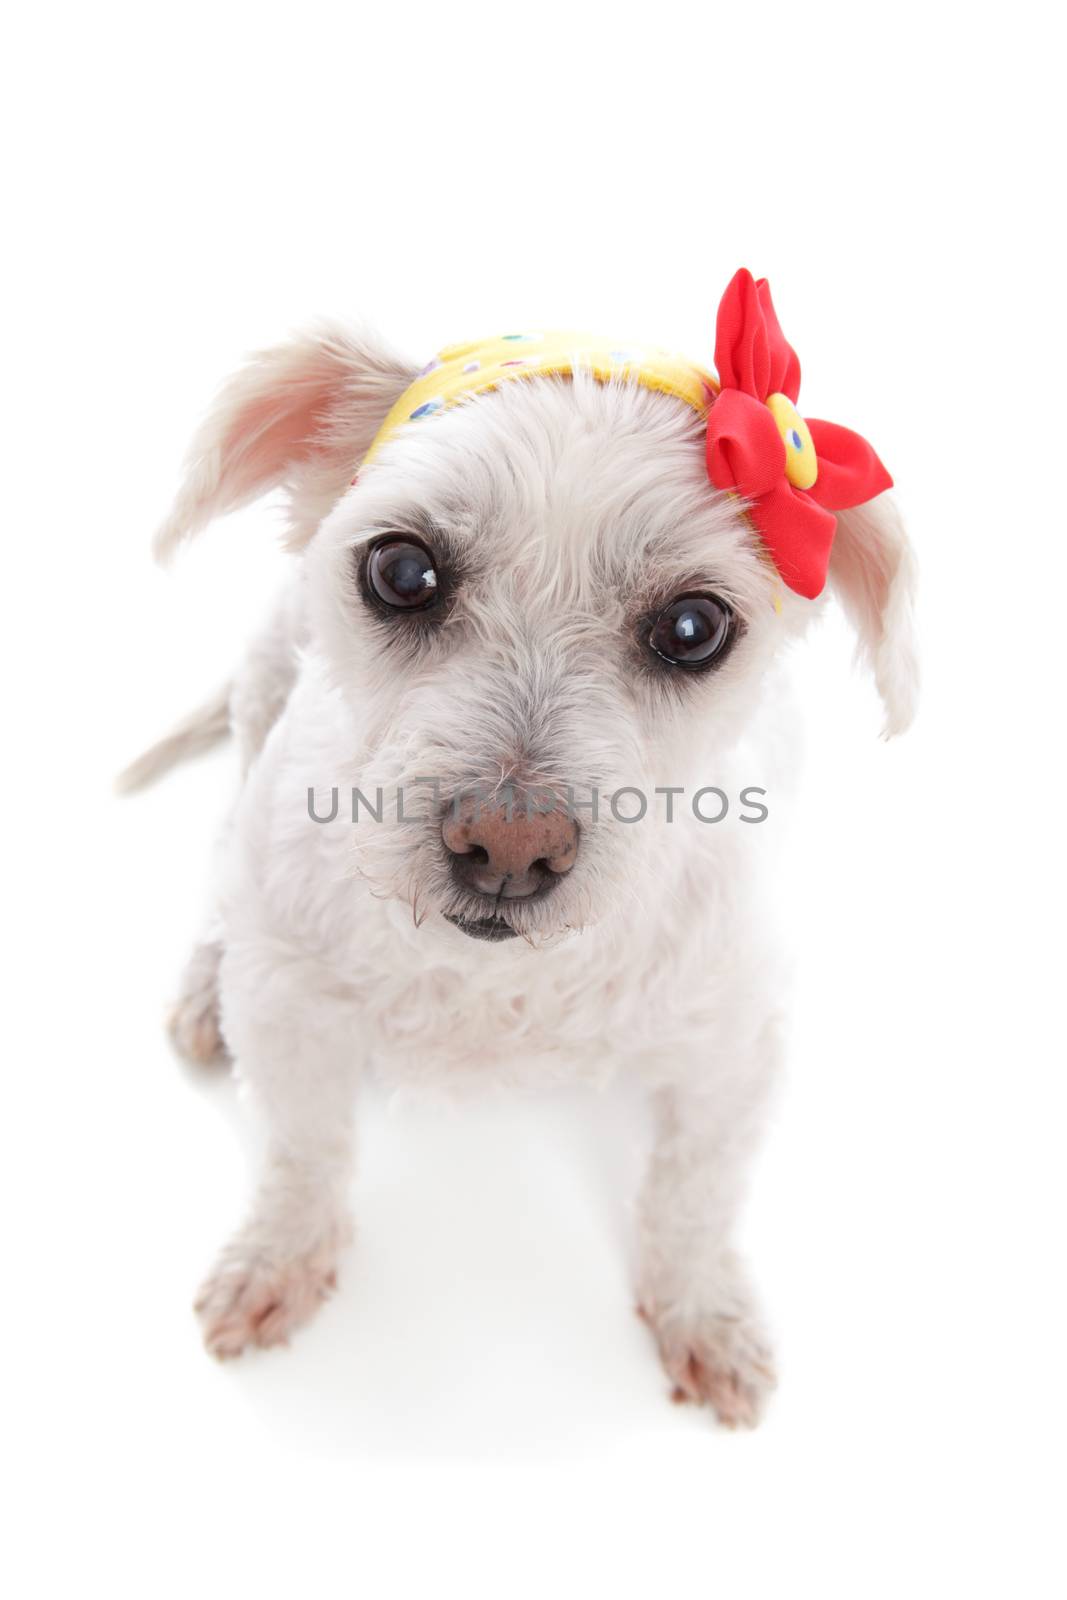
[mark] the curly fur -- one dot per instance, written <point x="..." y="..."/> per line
<point x="569" y="511"/>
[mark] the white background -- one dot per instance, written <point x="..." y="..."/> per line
<point x="479" y="1413"/>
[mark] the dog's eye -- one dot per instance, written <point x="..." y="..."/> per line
<point x="401" y="574"/>
<point x="692" y="630"/>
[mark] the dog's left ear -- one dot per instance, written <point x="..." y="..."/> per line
<point x="873" y="572"/>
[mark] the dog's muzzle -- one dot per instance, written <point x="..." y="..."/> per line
<point x="506" y="853"/>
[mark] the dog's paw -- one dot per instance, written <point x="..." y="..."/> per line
<point x="193" y="1026"/>
<point x="193" y="1023"/>
<point x="719" y="1360"/>
<point x="252" y="1300"/>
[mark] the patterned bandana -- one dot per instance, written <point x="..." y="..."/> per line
<point x="794" y="474"/>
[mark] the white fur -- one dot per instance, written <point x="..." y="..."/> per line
<point x="572" y="508"/>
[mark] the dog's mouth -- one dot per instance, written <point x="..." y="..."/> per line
<point x="492" y="928"/>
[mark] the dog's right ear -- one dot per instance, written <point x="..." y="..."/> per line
<point x="302" y="416"/>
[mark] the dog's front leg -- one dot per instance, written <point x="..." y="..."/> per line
<point x="294" y="1041"/>
<point x="693" y="1289"/>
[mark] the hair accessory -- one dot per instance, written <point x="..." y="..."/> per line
<point x="463" y="370"/>
<point x="794" y="474"/>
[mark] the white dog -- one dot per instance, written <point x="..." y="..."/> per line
<point x="535" y="592"/>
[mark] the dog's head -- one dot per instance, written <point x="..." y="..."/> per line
<point x="536" y="614"/>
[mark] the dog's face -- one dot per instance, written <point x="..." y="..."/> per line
<point x="535" y="599"/>
<point x="528" y="604"/>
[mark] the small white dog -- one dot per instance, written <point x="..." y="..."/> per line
<point x="573" y="588"/>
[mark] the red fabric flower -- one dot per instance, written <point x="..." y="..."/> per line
<point x="795" y="474"/>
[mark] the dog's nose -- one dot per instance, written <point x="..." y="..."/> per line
<point x="509" y="850"/>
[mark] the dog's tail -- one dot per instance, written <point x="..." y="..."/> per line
<point x="199" y="731"/>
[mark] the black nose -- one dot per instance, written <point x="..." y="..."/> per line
<point x="500" y="850"/>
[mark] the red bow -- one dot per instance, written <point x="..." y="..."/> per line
<point x="795" y="474"/>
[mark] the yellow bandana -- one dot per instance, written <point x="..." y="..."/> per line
<point x="466" y="369"/>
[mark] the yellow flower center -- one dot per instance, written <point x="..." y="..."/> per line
<point x="801" y="463"/>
